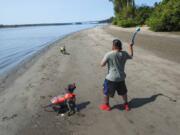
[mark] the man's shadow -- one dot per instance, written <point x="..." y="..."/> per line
<point x="138" y="102"/>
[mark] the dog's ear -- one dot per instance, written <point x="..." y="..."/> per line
<point x="66" y="90"/>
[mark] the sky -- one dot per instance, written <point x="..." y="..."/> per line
<point x="57" y="11"/>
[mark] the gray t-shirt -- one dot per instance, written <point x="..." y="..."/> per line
<point x="116" y="63"/>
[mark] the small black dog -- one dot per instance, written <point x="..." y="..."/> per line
<point x="63" y="50"/>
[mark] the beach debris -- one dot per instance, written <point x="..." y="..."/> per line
<point x="64" y="103"/>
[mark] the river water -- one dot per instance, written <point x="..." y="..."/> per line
<point x="17" y="44"/>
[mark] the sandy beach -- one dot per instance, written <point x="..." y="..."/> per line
<point x="152" y="79"/>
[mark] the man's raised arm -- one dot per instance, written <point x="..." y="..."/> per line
<point x="130" y="50"/>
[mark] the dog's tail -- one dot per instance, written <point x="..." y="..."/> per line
<point x="46" y="106"/>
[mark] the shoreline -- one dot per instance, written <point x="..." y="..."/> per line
<point x="14" y="72"/>
<point x="98" y="22"/>
<point x="21" y="112"/>
<point x="10" y="75"/>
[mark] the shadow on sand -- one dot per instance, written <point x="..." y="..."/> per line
<point x="82" y="105"/>
<point x="64" y="109"/>
<point x="138" y="102"/>
<point x="66" y="53"/>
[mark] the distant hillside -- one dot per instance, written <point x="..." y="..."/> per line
<point x="53" y="24"/>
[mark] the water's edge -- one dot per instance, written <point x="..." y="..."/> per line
<point x="9" y="77"/>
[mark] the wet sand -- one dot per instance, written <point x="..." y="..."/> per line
<point x="162" y="44"/>
<point x="152" y="80"/>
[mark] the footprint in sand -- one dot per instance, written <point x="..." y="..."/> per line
<point x="50" y="96"/>
<point x="29" y="86"/>
<point x="9" y="117"/>
<point x="42" y="97"/>
<point x="45" y="78"/>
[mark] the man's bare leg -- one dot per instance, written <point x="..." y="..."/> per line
<point x="126" y="106"/>
<point x="125" y="98"/>
<point x="106" y="100"/>
<point x="105" y="106"/>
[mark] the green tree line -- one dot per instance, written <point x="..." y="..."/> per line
<point x="163" y="16"/>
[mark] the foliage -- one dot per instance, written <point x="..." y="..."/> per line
<point x="142" y="14"/>
<point x="124" y="12"/>
<point x="127" y="23"/>
<point x="166" y="16"/>
<point x="123" y="8"/>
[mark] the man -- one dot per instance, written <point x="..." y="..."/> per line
<point x="115" y="79"/>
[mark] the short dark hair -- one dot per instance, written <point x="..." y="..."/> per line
<point x="117" y="43"/>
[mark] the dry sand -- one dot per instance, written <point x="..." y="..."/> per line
<point x="152" y="79"/>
